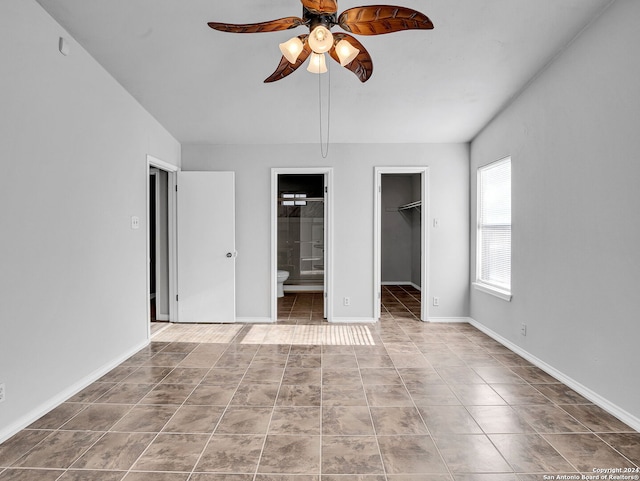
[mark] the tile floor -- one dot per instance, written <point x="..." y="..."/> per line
<point x="427" y="402"/>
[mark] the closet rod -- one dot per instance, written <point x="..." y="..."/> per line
<point x="410" y="205"/>
<point x="299" y="199"/>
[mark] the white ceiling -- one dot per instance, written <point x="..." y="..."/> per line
<point x="206" y="86"/>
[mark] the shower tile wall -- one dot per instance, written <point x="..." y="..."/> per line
<point x="301" y="229"/>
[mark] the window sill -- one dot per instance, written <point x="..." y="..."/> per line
<point x="494" y="291"/>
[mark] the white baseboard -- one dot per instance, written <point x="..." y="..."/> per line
<point x="400" y="283"/>
<point x="293" y="288"/>
<point x="449" y="319"/>
<point x="353" y="320"/>
<point x="592" y="396"/>
<point x="162" y="317"/>
<point x="254" y="320"/>
<point x="62" y="396"/>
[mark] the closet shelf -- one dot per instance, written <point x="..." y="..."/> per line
<point x="411" y="205"/>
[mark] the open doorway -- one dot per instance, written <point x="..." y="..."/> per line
<point x="301" y="223"/>
<point x="160" y="244"/>
<point x="401" y="240"/>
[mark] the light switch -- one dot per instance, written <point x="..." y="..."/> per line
<point x="135" y="222"/>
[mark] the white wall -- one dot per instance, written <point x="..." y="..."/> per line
<point x="353" y="166"/>
<point x="573" y="138"/>
<point x="73" y="148"/>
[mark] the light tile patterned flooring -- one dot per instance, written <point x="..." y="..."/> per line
<point x="427" y="402"/>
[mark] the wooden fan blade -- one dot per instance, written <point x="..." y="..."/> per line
<point x="285" y="67"/>
<point x="320" y="6"/>
<point x="379" y="19"/>
<point x="362" y="65"/>
<point x="269" y="26"/>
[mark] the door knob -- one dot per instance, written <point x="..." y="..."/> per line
<point x="229" y="254"/>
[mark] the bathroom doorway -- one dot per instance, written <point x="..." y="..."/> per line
<point x="401" y="240"/>
<point x="301" y="245"/>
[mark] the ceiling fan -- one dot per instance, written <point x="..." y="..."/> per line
<point x="320" y="16"/>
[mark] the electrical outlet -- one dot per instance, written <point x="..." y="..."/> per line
<point x="436" y="301"/>
<point x="2" y="392"/>
<point x="523" y="329"/>
<point x="346" y="301"/>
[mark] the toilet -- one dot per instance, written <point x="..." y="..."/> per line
<point x="282" y="276"/>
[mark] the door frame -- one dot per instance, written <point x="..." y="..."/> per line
<point x="328" y="252"/>
<point x="424" y="244"/>
<point x="171" y="170"/>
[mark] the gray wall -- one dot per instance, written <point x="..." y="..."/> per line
<point x="397" y="229"/>
<point x="73" y="146"/>
<point x="573" y="138"/>
<point x="353" y="166"/>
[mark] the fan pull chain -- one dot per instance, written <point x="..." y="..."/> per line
<point x="324" y="152"/>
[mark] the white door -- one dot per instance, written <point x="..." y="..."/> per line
<point x="206" y="247"/>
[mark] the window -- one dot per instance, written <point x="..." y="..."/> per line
<point x="493" y="273"/>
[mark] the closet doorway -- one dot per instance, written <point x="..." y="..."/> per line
<point x="401" y="235"/>
<point x="160" y="240"/>
<point x="301" y="243"/>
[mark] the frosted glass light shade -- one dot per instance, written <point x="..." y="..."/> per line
<point x="317" y="63"/>
<point x="320" y="39"/>
<point x="291" y="49"/>
<point x="346" y="52"/>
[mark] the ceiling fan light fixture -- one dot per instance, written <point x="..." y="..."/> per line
<point x="346" y="52"/>
<point x="320" y="39"/>
<point x="291" y="49"/>
<point x="317" y="63"/>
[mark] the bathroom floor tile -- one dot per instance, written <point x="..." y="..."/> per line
<point x="295" y="420"/>
<point x="97" y="417"/>
<point x="227" y="453"/>
<point x="346" y="420"/>
<point x="530" y="453"/>
<point x="299" y="395"/>
<point x="290" y="454"/>
<point x="59" y="450"/>
<point x="449" y="419"/>
<point x="351" y="455"/>
<point x="466" y="453"/>
<point x="19" y="445"/>
<point x="194" y="419"/>
<point x="115" y="451"/>
<point x="82" y="475"/>
<point x="550" y="419"/>
<point x="587" y="451"/>
<point x="500" y="419"/>
<point x="172" y="452"/>
<point x="397" y="421"/>
<point x="30" y="475"/>
<point x="388" y="395"/>
<point x="410" y="454"/>
<point x="244" y="420"/>
<point x="255" y="395"/>
<point x="58" y="416"/>
<point x="145" y="419"/>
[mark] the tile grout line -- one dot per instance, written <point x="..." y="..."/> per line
<point x="273" y="408"/>
<point x="373" y="426"/>
<point x="173" y="415"/>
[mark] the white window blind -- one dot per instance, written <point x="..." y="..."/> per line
<point x="494" y="225"/>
